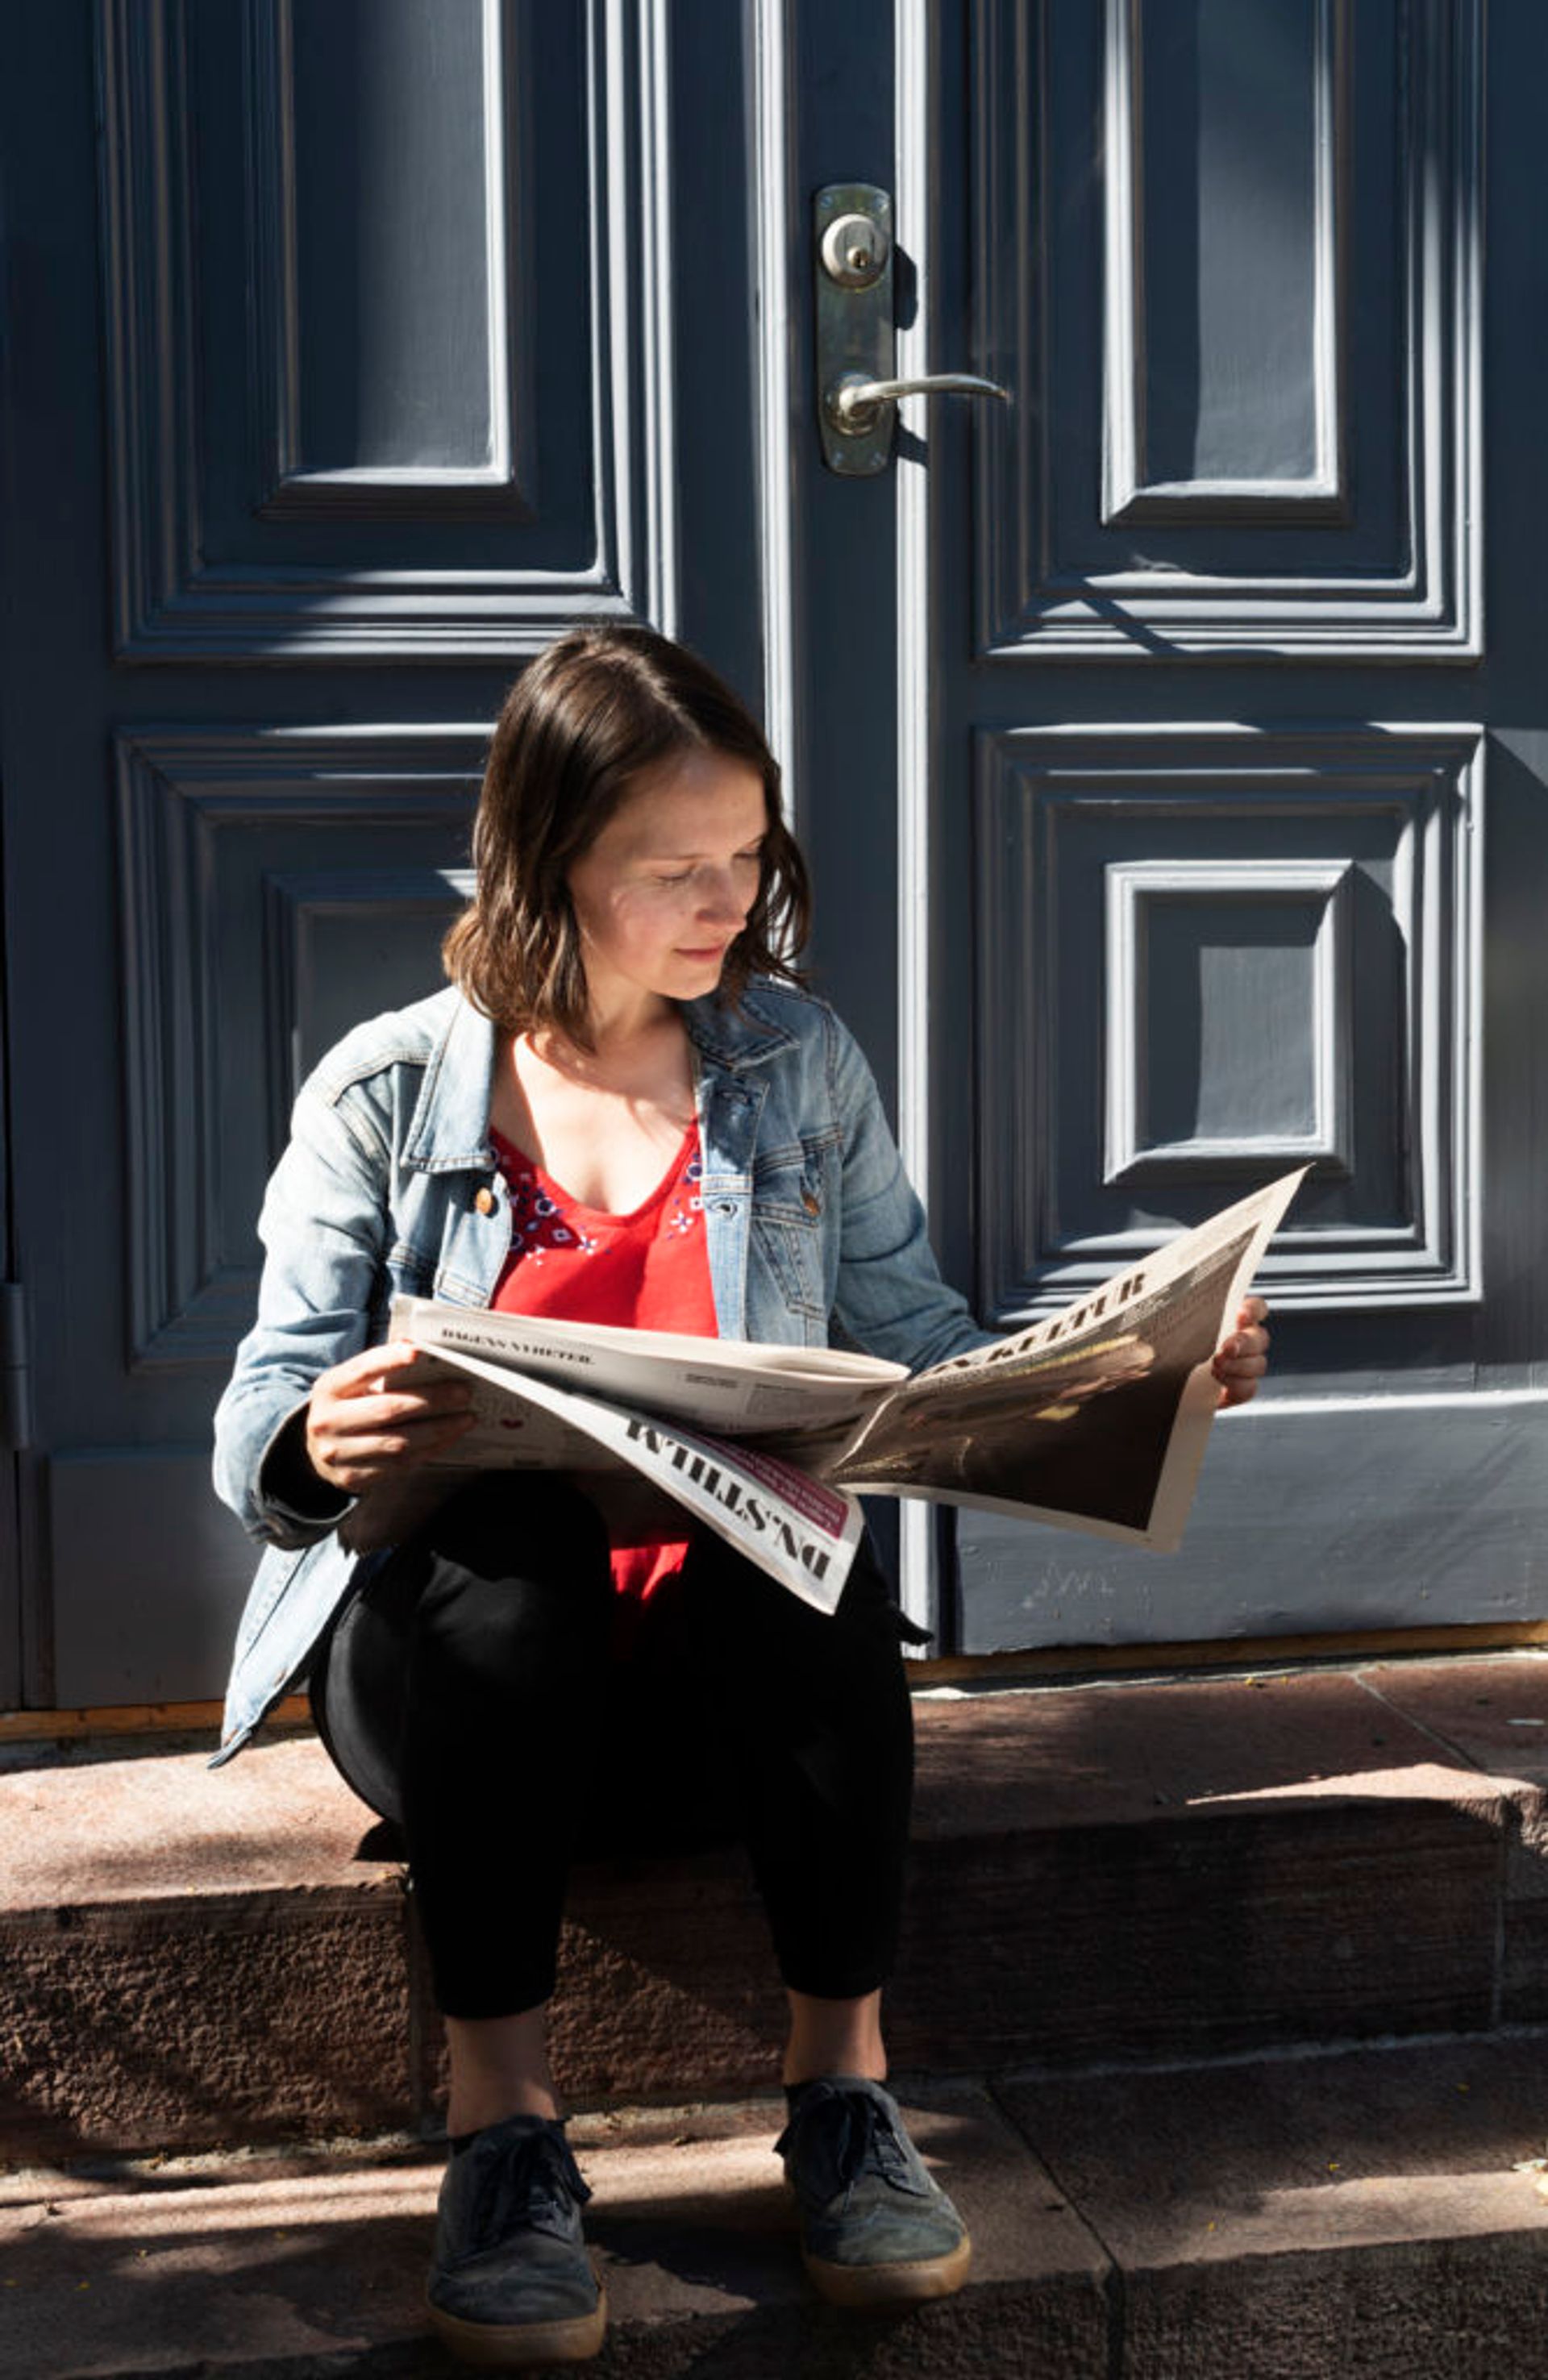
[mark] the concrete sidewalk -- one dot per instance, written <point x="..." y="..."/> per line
<point x="1289" y="2218"/>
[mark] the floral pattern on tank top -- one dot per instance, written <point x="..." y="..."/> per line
<point x="540" y="1222"/>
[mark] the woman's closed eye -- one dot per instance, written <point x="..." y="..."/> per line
<point x="679" y="876"/>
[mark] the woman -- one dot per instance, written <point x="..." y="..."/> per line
<point x="626" y="1108"/>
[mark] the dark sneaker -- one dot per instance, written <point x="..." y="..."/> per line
<point x="875" y="2230"/>
<point x="511" y="2283"/>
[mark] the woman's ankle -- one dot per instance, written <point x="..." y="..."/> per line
<point x="834" y="2037"/>
<point x="499" y="2068"/>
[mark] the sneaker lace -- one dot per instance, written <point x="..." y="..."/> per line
<point x="531" y="2185"/>
<point x="855" y="2136"/>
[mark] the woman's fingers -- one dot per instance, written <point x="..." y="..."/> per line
<point x="1241" y="1360"/>
<point x="390" y="1433"/>
<point x="360" y="1462"/>
<point x="365" y="1419"/>
<point x="1249" y="1340"/>
<point x="357" y="1374"/>
<point x="438" y="1401"/>
<point x="379" y="1386"/>
<point x="355" y="1462"/>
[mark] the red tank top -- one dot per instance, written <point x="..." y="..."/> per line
<point x="649" y="1270"/>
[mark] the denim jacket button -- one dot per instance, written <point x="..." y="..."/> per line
<point x="812" y="1202"/>
<point x="486" y="1201"/>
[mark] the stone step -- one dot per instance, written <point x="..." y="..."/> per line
<point x="1375" y="2212"/>
<point x="1142" y="1871"/>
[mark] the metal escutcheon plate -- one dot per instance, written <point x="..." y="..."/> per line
<point x="854" y="327"/>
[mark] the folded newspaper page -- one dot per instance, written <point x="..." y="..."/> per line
<point x="800" y="1530"/>
<point x="1095" y="1418"/>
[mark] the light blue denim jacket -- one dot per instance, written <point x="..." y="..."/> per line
<point x="812" y="1231"/>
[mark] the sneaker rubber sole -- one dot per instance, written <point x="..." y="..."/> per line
<point x="891" y="2284"/>
<point x="516" y="2347"/>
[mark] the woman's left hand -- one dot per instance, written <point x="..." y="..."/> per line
<point x="1241" y="1360"/>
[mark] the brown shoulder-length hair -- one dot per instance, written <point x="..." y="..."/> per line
<point x="578" y="726"/>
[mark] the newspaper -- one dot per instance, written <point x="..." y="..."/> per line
<point x="1095" y="1418"/>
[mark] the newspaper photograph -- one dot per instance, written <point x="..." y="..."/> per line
<point x="1096" y="1433"/>
<point x="1095" y="1418"/>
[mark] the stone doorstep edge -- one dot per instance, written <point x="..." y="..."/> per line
<point x="1516" y="1807"/>
<point x="158" y="1827"/>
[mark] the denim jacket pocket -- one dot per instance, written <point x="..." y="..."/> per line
<point x="790" y="1197"/>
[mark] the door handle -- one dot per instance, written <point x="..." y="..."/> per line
<point x="857" y="393"/>
<point x="854" y="404"/>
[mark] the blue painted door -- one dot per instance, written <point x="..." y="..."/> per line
<point x="347" y="351"/>
<point x="1218" y="845"/>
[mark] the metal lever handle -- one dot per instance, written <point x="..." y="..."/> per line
<point x="855" y="402"/>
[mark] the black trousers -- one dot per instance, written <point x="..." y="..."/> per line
<point x="487" y="1667"/>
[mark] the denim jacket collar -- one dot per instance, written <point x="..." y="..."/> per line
<point x="735" y="1037"/>
<point x="450" y="1130"/>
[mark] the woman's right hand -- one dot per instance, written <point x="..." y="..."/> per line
<point x="370" y="1419"/>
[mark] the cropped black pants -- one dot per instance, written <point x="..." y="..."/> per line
<point x="488" y="1668"/>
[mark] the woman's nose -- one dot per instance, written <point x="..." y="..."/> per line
<point x="723" y="900"/>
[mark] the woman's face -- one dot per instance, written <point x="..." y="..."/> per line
<point x="666" y="888"/>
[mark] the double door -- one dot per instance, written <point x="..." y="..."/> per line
<point x="1176" y="807"/>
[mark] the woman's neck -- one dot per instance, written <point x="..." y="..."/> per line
<point x="643" y="1044"/>
<point x="628" y="1019"/>
<point x="623" y="1035"/>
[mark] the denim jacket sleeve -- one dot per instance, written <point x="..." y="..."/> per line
<point x="890" y="1298"/>
<point x="324" y="1229"/>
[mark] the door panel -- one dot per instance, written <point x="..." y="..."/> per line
<point x="1247" y="366"/>
<point x="1317" y="1516"/>
<point x="1207" y="956"/>
<point x="271" y="882"/>
<point x="388" y="345"/>
<point x="147" y="1573"/>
